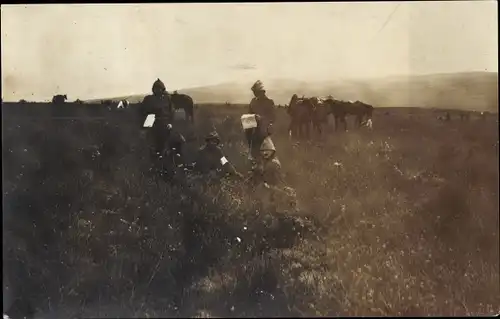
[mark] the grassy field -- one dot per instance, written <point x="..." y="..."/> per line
<point x="402" y="220"/>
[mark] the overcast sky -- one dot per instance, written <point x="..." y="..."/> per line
<point x="89" y="51"/>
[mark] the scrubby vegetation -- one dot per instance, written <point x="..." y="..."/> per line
<point x="402" y="220"/>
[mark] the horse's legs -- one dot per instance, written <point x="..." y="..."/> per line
<point x="191" y="115"/>
<point x="317" y="127"/>
<point x="303" y="130"/>
<point x="292" y="131"/>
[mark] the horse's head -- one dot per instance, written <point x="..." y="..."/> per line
<point x="367" y="108"/>
<point x="293" y="100"/>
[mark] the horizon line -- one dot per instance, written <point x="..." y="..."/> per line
<point x="229" y="82"/>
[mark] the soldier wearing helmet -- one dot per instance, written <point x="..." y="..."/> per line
<point x="263" y="107"/>
<point x="268" y="167"/>
<point x="268" y="180"/>
<point x="160" y="105"/>
<point x="211" y="158"/>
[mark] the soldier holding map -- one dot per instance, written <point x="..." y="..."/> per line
<point x="263" y="108"/>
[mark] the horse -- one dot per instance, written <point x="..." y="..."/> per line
<point x="319" y="115"/>
<point x="185" y="102"/>
<point x="363" y="112"/>
<point x="340" y="109"/>
<point x="300" y="111"/>
<point x="59" y="99"/>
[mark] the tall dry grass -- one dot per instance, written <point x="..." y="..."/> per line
<point x="402" y="220"/>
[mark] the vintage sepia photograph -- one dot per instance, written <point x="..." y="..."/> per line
<point x="288" y="159"/>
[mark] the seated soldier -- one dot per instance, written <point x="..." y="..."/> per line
<point x="211" y="160"/>
<point x="267" y="169"/>
<point x="267" y="173"/>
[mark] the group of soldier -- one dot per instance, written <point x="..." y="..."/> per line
<point x="167" y="143"/>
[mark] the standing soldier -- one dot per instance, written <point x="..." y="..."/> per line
<point x="263" y="107"/>
<point x="160" y="105"/>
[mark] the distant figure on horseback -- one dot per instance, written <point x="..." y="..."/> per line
<point x="160" y="105"/>
<point x="263" y="108"/>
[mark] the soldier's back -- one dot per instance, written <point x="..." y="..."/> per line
<point x="262" y="105"/>
<point x="161" y="107"/>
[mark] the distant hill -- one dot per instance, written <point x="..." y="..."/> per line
<point x="465" y="91"/>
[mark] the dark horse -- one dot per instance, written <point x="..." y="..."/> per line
<point x="340" y="109"/>
<point x="59" y="99"/>
<point x="300" y="111"/>
<point x="185" y="102"/>
<point x="319" y="114"/>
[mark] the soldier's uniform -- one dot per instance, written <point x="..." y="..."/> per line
<point x="211" y="159"/>
<point x="268" y="167"/>
<point x="173" y="157"/>
<point x="160" y="105"/>
<point x="268" y="180"/>
<point x="262" y="106"/>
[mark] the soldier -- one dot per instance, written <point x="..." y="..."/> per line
<point x="175" y="140"/>
<point x="267" y="169"/>
<point x="160" y="105"/>
<point x="263" y="107"/>
<point x="211" y="159"/>
<point x="175" y="144"/>
<point x="268" y="180"/>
